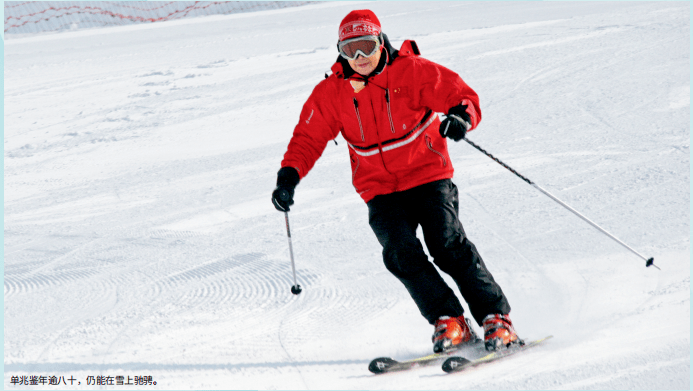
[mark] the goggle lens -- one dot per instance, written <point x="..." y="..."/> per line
<point x="366" y="46"/>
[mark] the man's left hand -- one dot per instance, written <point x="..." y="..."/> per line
<point x="456" y="124"/>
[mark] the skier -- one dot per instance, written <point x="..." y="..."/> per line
<point x="384" y="102"/>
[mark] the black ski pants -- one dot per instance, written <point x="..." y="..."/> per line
<point x="395" y="218"/>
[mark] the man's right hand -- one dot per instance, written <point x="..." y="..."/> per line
<point x="283" y="194"/>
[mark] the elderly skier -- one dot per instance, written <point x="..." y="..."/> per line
<point x="384" y="102"/>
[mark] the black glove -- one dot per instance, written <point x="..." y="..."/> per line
<point x="283" y="195"/>
<point x="456" y="124"/>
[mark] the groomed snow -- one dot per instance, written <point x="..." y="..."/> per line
<point x="140" y="239"/>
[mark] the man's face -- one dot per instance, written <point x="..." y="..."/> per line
<point x="365" y="65"/>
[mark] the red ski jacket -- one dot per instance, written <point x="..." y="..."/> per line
<point x="390" y="123"/>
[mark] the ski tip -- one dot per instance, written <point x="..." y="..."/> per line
<point x="542" y="339"/>
<point x="381" y="364"/>
<point x="453" y="364"/>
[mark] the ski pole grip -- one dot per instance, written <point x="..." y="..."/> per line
<point x="284" y="195"/>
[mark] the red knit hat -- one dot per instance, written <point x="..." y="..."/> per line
<point x="359" y="23"/>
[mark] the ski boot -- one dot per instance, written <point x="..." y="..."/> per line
<point x="452" y="332"/>
<point x="499" y="332"/>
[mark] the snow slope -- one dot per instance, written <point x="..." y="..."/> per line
<point x="140" y="239"/>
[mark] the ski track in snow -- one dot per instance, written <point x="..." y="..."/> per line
<point x="140" y="238"/>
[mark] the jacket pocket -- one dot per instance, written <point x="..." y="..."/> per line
<point x="355" y="164"/>
<point x="429" y="144"/>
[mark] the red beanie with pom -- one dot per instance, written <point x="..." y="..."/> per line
<point x="359" y="23"/>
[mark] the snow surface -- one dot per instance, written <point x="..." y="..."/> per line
<point x="140" y="239"/>
<point x="26" y="18"/>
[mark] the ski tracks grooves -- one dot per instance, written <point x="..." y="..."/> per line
<point x="228" y="283"/>
<point x="22" y="284"/>
<point x="79" y="267"/>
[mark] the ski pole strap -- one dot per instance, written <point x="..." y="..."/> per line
<point x="498" y="161"/>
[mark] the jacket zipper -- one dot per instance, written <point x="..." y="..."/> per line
<point x="430" y="146"/>
<point x="358" y="116"/>
<point x="389" y="112"/>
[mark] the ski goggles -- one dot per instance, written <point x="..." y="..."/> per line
<point x="365" y="46"/>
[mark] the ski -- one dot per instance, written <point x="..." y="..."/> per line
<point x="382" y="365"/>
<point x="458" y="363"/>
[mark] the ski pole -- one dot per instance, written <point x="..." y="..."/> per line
<point x="648" y="261"/>
<point x="295" y="289"/>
